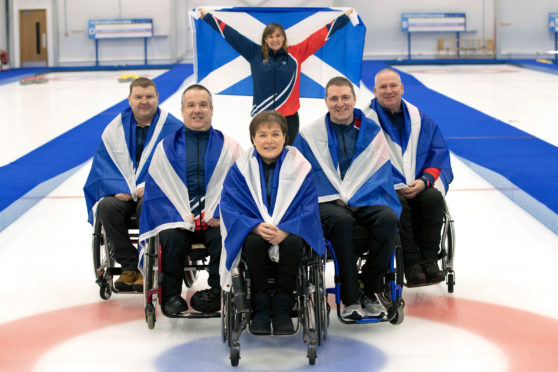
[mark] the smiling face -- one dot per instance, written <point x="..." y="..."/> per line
<point x="269" y="141"/>
<point x="143" y="102"/>
<point x="197" y="109"/>
<point x="275" y="39"/>
<point x="388" y="90"/>
<point x="340" y="102"/>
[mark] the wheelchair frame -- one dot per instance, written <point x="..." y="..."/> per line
<point x="310" y="306"/>
<point x="103" y="258"/>
<point x="153" y="280"/>
<point x="391" y="298"/>
<point x="447" y="250"/>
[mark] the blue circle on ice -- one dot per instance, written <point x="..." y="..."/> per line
<point x="272" y="354"/>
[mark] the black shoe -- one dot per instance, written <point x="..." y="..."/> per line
<point x="281" y="306"/>
<point x="261" y="323"/>
<point x="415" y="275"/>
<point x="261" y="319"/>
<point x="174" y="305"/>
<point x="433" y="272"/>
<point x="206" y="301"/>
<point x="282" y="324"/>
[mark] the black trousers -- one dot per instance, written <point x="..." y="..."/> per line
<point x="421" y="224"/>
<point x="255" y="252"/>
<point x="176" y="245"/>
<point x="381" y="222"/>
<point x="292" y="127"/>
<point x="114" y="215"/>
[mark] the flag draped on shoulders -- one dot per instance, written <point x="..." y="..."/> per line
<point x="166" y="202"/>
<point x="114" y="169"/>
<point x="294" y="205"/>
<point x="368" y="180"/>
<point x="420" y="146"/>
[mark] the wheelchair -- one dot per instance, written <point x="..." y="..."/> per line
<point x="196" y="261"/>
<point x="309" y="310"/>
<point x="446" y="251"/>
<point x="103" y="257"/>
<point x="391" y="297"/>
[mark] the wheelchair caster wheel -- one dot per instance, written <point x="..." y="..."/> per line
<point x="312" y="355"/>
<point x="150" y="316"/>
<point x="399" y="316"/>
<point x="451" y="281"/>
<point x="234" y="355"/>
<point x="105" y="292"/>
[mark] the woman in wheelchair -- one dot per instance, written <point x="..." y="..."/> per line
<point x="269" y="210"/>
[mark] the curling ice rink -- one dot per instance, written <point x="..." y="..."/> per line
<point x="503" y="315"/>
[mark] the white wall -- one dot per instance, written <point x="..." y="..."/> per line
<point x="384" y="38"/>
<point x="77" y="48"/>
<point x="520" y="27"/>
<point x="523" y="27"/>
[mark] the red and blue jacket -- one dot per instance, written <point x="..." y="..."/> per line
<point x="276" y="83"/>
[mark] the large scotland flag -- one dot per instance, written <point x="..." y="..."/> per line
<point x="222" y="70"/>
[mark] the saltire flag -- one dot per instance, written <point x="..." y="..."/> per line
<point x="420" y="147"/>
<point x="222" y="70"/>
<point x="114" y="169"/>
<point x="368" y="180"/>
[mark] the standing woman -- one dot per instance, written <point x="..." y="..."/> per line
<point x="275" y="65"/>
<point x="269" y="208"/>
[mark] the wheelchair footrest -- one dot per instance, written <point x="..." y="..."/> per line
<point x="114" y="270"/>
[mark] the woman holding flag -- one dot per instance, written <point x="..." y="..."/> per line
<point x="275" y="66"/>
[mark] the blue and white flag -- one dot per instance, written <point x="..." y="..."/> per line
<point x="222" y="70"/>
<point x="294" y="205"/>
<point x="114" y="169"/>
<point x="166" y="202"/>
<point x="368" y="180"/>
<point x="420" y="146"/>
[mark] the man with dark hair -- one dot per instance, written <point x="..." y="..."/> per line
<point x="421" y="169"/>
<point x="182" y="193"/>
<point x="350" y="160"/>
<point x="114" y="187"/>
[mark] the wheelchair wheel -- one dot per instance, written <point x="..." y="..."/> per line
<point x="312" y="355"/>
<point x="399" y="313"/>
<point x="448" y="246"/>
<point x="150" y="267"/>
<point x="103" y="260"/>
<point x="450" y="281"/>
<point x="320" y="303"/>
<point x="225" y="315"/>
<point x="105" y="292"/>
<point x="150" y="316"/>
<point x="234" y="355"/>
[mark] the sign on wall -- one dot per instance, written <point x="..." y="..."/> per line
<point x="553" y="22"/>
<point x="120" y="28"/>
<point x="433" y="22"/>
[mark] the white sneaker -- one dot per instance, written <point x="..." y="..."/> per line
<point x="372" y="306"/>
<point x="352" y="312"/>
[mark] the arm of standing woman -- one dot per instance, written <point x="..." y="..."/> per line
<point x="312" y="43"/>
<point x="244" y="46"/>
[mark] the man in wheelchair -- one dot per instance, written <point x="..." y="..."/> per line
<point x="350" y="161"/>
<point x="181" y="199"/>
<point x="421" y="172"/>
<point x="269" y="210"/>
<point x="115" y="185"/>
